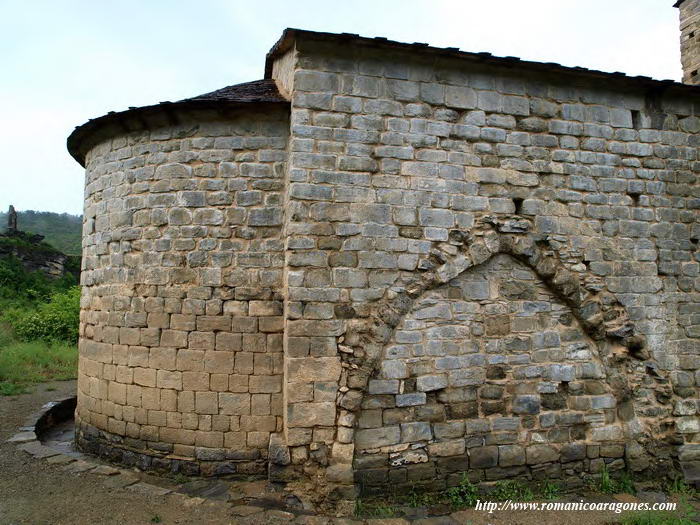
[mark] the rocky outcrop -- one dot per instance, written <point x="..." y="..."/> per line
<point x="34" y="254"/>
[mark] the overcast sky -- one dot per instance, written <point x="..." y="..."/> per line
<point x="63" y="62"/>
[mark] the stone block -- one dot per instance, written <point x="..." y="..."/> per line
<point x="234" y="404"/>
<point x="377" y="437"/>
<point x="573" y="452"/>
<point x="302" y="370"/>
<point x="455" y="447"/>
<point x="526" y="404"/>
<point x="483" y="457"/>
<point x="206" y="403"/>
<point x="383" y="386"/>
<point x="417" y="431"/>
<point x="307" y="415"/>
<point x="537" y="454"/>
<point x="394" y="369"/>
<point x="511" y="455"/>
<point x="414" y="399"/>
<point x="429" y="383"/>
<point x="460" y="97"/>
<point x="607" y="433"/>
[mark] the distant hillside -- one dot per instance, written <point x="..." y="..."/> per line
<point x="61" y="230"/>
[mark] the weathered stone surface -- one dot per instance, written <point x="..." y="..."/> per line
<point x="377" y="437"/>
<point x="537" y="454"/>
<point x="483" y="457"/>
<point x="511" y="455"/>
<point x="573" y="452"/>
<point x="425" y="266"/>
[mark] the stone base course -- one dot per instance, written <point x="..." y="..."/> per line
<point x="156" y="457"/>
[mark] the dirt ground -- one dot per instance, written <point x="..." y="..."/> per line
<point x="35" y="492"/>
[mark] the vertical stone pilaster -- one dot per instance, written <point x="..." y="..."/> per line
<point x="689" y="11"/>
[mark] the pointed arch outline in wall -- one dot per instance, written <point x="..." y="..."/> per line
<point x="599" y="313"/>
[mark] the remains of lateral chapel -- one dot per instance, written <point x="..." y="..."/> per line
<point x="392" y="264"/>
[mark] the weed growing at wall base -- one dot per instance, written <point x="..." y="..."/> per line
<point x="608" y="485"/>
<point x="463" y="495"/>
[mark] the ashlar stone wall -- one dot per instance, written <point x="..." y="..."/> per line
<point x="181" y="327"/>
<point x="690" y="40"/>
<point x="397" y="163"/>
<point x="432" y="264"/>
<point x="475" y="365"/>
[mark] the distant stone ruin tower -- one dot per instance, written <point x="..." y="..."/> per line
<point x="11" y="220"/>
<point x="690" y="39"/>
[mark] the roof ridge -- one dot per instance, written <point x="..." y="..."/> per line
<point x="263" y="90"/>
<point x="290" y="35"/>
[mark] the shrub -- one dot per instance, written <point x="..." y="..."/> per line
<point x="56" y="320"/>
<point x="18" y="286"/>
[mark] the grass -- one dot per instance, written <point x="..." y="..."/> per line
<point x="374" y="509"/>
<point x="679" y="487"/>
<point x="26" y="363"/>
<point x="466" y="494"/>
<point x="609" y="485"/>
<point x="657" y="518"/>
<point x="511" y="490"/>
<point x="420" y="498"/>
<point x="463" y="495"/>
<point x="687" y="517"/>
<point x="180" y="478"/>
<point x="39" y="320"/>
<point x="550" y="490"/>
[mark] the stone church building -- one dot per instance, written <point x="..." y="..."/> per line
<point x="390" y="264"/>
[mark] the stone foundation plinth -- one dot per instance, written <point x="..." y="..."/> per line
<point x="157" y="457"/>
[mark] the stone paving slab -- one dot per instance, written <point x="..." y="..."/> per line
<point x="121" y="481"/>
<point x="60" y="459"/>
<point x="104" y="470"/>
<point x="79" y="466"/>
<point x="23" y="437"/>
<point x="38" y="450"/>
<point x="313" y="520"/>
<point x="245" y="510"/>
<point x="148" y="489"/>
<point x="437" y="520"/>
<point x="209" y="489"/>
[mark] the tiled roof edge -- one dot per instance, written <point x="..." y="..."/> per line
<point x="290" y="35"/>
<point x="135" y="118"/>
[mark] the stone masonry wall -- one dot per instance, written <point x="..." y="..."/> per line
<point x="396" y="162"/>
<point x="431" y="266"/>
<point x="181" y="324"/>
<point x="476" y="364"/>
<point x="689" y="12"/>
